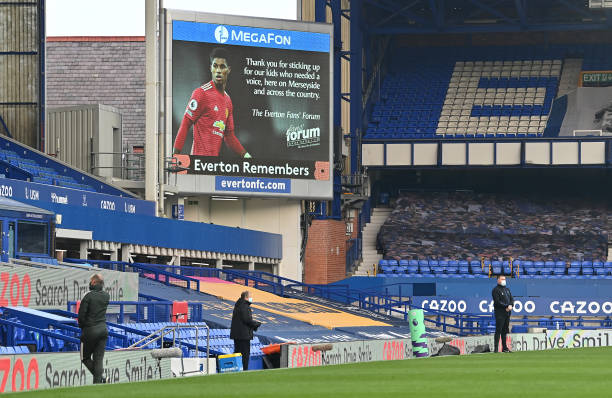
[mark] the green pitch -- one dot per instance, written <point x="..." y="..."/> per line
<point x="556" y="373"/>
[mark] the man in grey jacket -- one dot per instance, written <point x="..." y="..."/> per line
<point x="92" y="321"/>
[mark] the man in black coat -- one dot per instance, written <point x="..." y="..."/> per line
<point x="243" y="326"/>
<point x="502" y="303"/>
<point x="92" y="321"/>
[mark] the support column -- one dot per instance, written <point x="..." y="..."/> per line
<point x="83" y="245"/>
<point x="114" y="255"/>
<point x="177" y="260"/>
<point x="251" y="265"/>
<point x="151" y="106"/>
<point x="356" y="83"/>
<point x="336" y="8"/>
<point x="125" y="253"/>
<point x="219" y="263"/>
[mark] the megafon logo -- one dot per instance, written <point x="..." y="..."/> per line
<point x="298" y="136"/>
<point x="221" y="34"/>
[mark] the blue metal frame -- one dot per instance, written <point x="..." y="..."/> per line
<point x="390" y="299"/>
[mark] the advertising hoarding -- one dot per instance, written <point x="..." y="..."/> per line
<point x="522" y="305"/>
<point x="38" y="288"/>
<point x="251" y="105"/>
<point x="306" y="355"/>
<point x="52" y="370"/>
<point x="40" y="195"/>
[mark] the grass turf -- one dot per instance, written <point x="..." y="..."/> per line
<point x="556" y="373"/>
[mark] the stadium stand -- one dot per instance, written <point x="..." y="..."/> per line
<point x="449" y="234"/>
<point x="20" y="162"/>
<point x="474" y="92"/>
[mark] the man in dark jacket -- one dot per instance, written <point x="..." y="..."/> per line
<point x="92" y="321"/>
<point x="502" y="303"/>
<point x="243" y="326"/>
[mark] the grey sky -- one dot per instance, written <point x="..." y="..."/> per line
<point x="126" y="17"/>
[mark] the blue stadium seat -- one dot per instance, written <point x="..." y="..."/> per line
<point x="506" y="268"/>
<point x="546" y="271"/>
<point x="437" y="270"/>
<point x="403" y="263"/>
<point x="496" y="267"/>
<point x="559" y="271"/>
<point x="601" y="271"/>
<point x="573" y="271"/>
<point x="598" y="264"/>
<point x="587" y="271"/>
<point x="532" y="271"/>
<point x="392" y="262"/>
<point x="413" y="263"/>
<point x="425" y="269"/>
<point x="383" y="263"/>
<point x="464" y="270"/>
<point x="549" y="264"/>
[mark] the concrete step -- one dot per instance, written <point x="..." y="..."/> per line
<point x="369" y="254"/>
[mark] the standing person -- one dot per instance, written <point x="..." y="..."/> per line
<point x="243" y="326"/>
<point x="211" y="113"/>
<point x="92" y="321"/>
<point x="502" y="303"/>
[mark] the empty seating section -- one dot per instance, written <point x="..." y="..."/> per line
<point x="39" y="173"/>
<point x="24" y="338"/>
<point x="486" y="268"/>
<point x="499" y="98"/>
<point x="411" y="101"/>
<point x="219" y="339"/>
<point x="545" y="236"/>
<point x="20" y="349"/>
<point x="474" y="92"/>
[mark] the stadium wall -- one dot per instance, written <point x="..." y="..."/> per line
<point x="481" y="288"/>
<point x="325" y="259"/>
<point x="100" y="70"/>
<point x="278" y="216"/>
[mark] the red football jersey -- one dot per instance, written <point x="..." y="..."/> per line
<point x="211" y="113"/>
